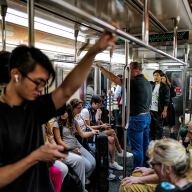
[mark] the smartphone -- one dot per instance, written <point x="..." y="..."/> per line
<point x="68" y="149"/>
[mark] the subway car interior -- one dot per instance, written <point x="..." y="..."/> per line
<point x="156" y="33"/>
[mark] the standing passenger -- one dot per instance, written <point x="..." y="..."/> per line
<point x="139" y="122"/>
<point x="159" y="105"/>
<point x="23" y="110"/>
<point x="170" y="111"/>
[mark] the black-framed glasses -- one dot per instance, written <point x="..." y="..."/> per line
<point x="39" y="82"/>
<point x="153" y="164"/>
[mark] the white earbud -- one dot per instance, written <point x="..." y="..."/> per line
<point x="16" y="78"/>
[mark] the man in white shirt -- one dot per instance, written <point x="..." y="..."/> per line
<point x="92" y="117"/>
<point x="160" y="101"/>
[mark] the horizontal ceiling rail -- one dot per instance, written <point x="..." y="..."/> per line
<point x="138" y="6"/>
<point x="79" y="12"/>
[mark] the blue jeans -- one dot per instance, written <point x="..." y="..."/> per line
<point x="138" y="135"/>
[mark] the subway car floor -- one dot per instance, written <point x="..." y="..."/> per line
<point x="114" y="185"/>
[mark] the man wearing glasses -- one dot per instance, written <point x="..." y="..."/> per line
<point x="23" y="110"/>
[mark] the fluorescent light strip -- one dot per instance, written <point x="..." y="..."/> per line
<point x="104" y="56"/>
<point x="20" y="18"/>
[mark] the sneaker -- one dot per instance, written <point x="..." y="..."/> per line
<point x="111" y="177"/>
<point x="128" y="155"/>
<point x="120" y="177"/>
<point x="87" y="182"/>
<point x="116" y="166"/>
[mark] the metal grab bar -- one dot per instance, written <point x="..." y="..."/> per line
<point x="30" y="10"/>
<point x="109" y="27"/>
<point x="3" y="4"/>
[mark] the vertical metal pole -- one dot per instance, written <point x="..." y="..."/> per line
<point x="96" y="72"/>
<point x="3" y="34"/>
<point x="187" y="49"/>
<point x="30" y="10"/>
<point x="127" y="104"/>
<point x="3" y="14"/>
<point x="85" y="90"/>
<point x="184" y="93"/>
<point x="109" y="86"/>
<point x="175" y="23"/>
<point x="76" y="32"/>
<point x="145" y="27"/>
<point x="99" y="82"/>
<point x="123" y="122"/>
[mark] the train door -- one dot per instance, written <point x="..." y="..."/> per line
<point x="188" y="98"/>
<point x="176" y="77"/>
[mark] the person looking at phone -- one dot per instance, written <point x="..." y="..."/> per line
<point x="92" y="115"/>
<point x="78" y="157"/>
<point x="23" y="109"/>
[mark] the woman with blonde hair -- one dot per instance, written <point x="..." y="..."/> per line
<point x="173" y="165"/>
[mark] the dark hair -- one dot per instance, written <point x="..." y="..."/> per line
<point x="159" y="72"/>
<point x="167" y="79"/>
<point x="136" y="65"/>
<point x="69" y="122"/>
<point x="26" y="58"/>
<point x="75" y="102"/>
<point x="95" y="99"/>
<point x="4" y="67"/>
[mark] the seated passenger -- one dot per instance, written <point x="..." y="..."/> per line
<point x="79" y="158"/>
<point x="143" y="179"/>
<point x="58" y="170"/>
<point x="91" y="115"/>
<point x="171" y="163"/>
<point x="77" y="105"/>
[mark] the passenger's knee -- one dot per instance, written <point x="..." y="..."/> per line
<point x="94" y="163"/>
<point x="79" y="161"/>
<point x="64" y="170"/>
<point x="137" y="187"/>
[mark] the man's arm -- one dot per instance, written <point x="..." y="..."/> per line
<point x="85" y="134"/>
<point x="47" y="152"/>
<point x="78" y="75"/>
<point x="109" y="75"/>
<point x="86" y="118"/>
